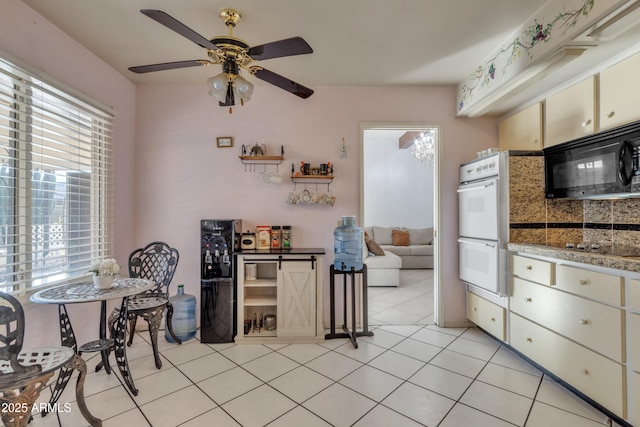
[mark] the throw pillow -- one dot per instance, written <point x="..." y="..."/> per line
<point x="400" y="237"/>
<point x="373" y="247"/>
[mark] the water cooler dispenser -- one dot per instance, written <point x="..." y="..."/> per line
<point x="219" y="239"/>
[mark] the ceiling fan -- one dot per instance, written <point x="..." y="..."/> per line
<point x="234" y="54"/>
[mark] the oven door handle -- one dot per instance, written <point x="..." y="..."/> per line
<point x="474" y="242"/>
<point x="465" y="188"/>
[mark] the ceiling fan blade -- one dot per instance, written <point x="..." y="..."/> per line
<point x="177" y="26"/>
<point x="283" y="83"/>
<point x="169" y="66"/>
<point x="278" y="49"/>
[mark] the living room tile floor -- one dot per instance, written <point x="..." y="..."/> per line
<point x="409" y="375"/>
<point x="409" y="303"/>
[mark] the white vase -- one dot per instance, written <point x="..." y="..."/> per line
<point x="104" y="282"/>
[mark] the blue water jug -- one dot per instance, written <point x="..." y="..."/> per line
<point x="184" y="316"/>
<point x="347" y="248"/>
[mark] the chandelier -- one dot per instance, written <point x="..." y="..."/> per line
<point x="424" y="147"/>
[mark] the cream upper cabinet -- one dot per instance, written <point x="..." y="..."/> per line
<point x="619" y="93"/>
<point x="570" y="114"/>
<point x="522" y="131"/>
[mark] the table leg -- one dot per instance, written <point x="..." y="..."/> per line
<point x="104" y="354"/>
<point x="120" y="346"/>
<point x="68" y="339"/>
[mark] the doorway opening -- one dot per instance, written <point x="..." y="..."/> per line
<point x="398" y="190"/>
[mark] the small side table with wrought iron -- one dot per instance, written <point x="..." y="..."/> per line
<point x="351" y="334"/>
<point x="86" y="292"/>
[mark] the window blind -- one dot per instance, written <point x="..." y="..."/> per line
<point x="55" y="183"/>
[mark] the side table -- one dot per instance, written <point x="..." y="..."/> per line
<point x="351" y="334"/>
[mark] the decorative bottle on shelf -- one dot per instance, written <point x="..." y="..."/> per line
<point x="184" y="316"/>
<point x="347" y="245"/>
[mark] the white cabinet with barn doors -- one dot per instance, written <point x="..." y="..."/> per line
<point x="279" y="296"/>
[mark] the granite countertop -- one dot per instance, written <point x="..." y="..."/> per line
<point x="599" y="259"/>
<point x="282" y="251"/>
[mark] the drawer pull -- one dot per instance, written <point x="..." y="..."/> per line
<point x="475" y="308"/>
<point x="493" y="319"/>
<point x="584" y="282"/>
<point x="528" y="299"/>
<point x="585" y="321"/>
<point x="529" y="340"/>
<point x="529" y="267"/>
<point x="585" y="371"/>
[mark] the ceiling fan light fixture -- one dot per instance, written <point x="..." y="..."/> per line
<point x="218" y="85"/>
<point x="244" y="88"/>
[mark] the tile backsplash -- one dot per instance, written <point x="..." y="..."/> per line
<point x="554" y="222"/>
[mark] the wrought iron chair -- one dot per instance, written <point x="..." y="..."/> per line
<point x="157" y="261"/>
<point x="23" y="374"/>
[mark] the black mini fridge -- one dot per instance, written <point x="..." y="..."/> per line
<point x="219" y="239"/>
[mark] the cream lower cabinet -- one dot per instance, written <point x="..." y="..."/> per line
<point x="487" y="315"/>
<point x="592" y="324"/>
<point x="634" y="363"/>
<point x="589" y="372"/>
<point x="289" y="287"/>
<point x="572" y="322"/>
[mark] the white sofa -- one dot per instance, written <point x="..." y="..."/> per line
<point x="419" y="252"/>
<point x="382" y="270"/>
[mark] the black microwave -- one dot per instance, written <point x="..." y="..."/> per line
<point x="602" y="165"/>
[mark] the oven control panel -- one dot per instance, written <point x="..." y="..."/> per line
<point x="483" y="168"/>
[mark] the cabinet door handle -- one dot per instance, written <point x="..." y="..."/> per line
<point x="611" y="114"/>
<point x="528" y="299"/>
<point x="585" y="371"/>
<point x="493" y="319"/>
<point x="585" y="123"/>
<point x="529" y="267"/>
<point x="585" y="321"/>
<point x="583" y="282"/>
<point x="529" y="340"/>
<point x="475" y="308"/>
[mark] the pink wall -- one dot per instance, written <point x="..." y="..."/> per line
<point x="169" y="173"/>
<point x="35" y="43"/>
<point x="182" y="177"/>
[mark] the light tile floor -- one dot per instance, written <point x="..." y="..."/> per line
<point x="405" y="375"/>
<point x="409" y="303"/>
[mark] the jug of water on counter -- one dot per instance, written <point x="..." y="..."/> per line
<point x="183" y="320"/>
<point x="347" y="245"/>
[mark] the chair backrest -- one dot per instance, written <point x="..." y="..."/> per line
<point x="157" y="261"/>
<point x="12" y="333"/>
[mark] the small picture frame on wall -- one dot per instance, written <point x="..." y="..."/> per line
<point x="224" y="141"/>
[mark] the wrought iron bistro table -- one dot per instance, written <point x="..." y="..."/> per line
<point x="86" y="292"/>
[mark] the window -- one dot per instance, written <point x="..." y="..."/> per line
<point x="55" y="198"/>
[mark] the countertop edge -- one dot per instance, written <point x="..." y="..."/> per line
<point x="282" y="251"/>
<point x="631" y="264"/>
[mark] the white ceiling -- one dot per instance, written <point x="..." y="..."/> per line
<point x="355" y="42"/>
